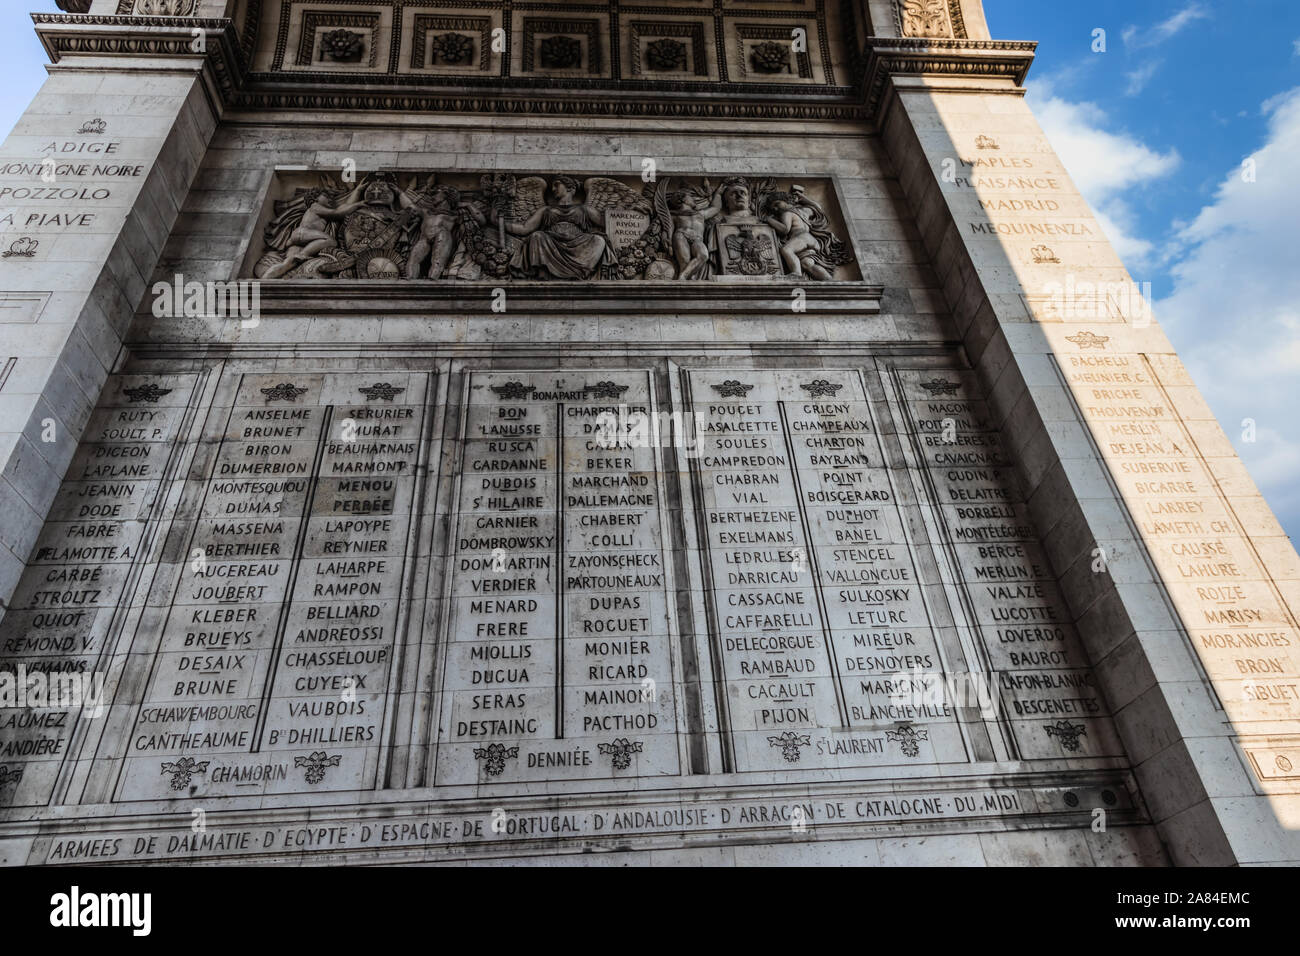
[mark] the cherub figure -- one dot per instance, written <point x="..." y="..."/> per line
<point x="438" y="208"/>
<point x="313" y="233"/>
<point x="691" y="210"/>
<point x="800" y="249"/>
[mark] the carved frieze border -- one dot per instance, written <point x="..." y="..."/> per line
<point x="69" y="34"/>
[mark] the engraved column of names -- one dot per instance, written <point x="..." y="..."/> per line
<point x="558" y="662"/>
<point x="326" y="703"/>
<point x="274" y="655"/>
<point x="1238" y="622"/>
<point x="820" y="618"/>
<point x="1047" y="692"/>
<point x="59" y="619"/>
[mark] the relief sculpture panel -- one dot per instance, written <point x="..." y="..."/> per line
<point x="501" y="226"/>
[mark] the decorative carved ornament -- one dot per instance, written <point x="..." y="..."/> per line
<point x="284" y="392"/>
<point x="148" y="392"/>
<point x="495" y="756"/>
<point x="381" y="390"/>
<point x="790" y="742"/>
<point x="1067" y="733"/>
<point x="343" y="46"/>
<point x="21" y="248"/>
<point x="560" y="53"/>
<point x="820" y="388"/>
<point x="941" y="386"/>
<point x="666" y="54"/>
<point x="940" y="19"/>
<point x="149" y="8"/>
<point x="908" y="738"/>
<point x="1088" y="340"/>
<point x="770" y="57"/>
<point x="453" y="48"/>
<point x="506" y="227"/>
<point x="621" y="751"/>
<point x="316" y="764"/>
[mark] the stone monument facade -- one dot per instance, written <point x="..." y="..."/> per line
<point x="674" y="433"/>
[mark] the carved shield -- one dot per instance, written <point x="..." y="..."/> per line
<point x="746" y="249"/>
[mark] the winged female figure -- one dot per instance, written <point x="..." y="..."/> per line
<point x="563" y="239"/>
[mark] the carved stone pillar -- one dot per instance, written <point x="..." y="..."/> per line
<point x="1072" y="377"/>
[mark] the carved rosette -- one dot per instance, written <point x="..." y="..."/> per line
<point x="770" y="57"/>
<point x="494" y="757"/>
<point x="1067" y="733"/>
<point x="666" y="54"/>
<point x="908" y="738"/>
<point x="620" y="751"/>
<point x="182" y="771"/>
<point x="342" y="46"/>
<point x="452" y="48"/>
<point x="560" y="53"/>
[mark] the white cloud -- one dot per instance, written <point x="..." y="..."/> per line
<point x="1234" y="312"/>
<point x="1139" y="78"/>
<point x="1104" y="165"/>
<point x="1141" y="37"/>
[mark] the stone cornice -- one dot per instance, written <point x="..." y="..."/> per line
<point x="69" y="35"/>
<point x="972" y="59"/>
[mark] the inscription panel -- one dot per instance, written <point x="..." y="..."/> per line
<point x="859" y="551"/>
<point x="57" y="633"/>
<point x="1045" y="689"/>
<point x="821" y="625"/>
<point x="559" y="658"/>
<point x="272" y="670"/>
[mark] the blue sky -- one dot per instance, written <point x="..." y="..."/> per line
<point x="1154" y="130"/>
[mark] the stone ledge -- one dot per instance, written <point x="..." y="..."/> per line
<point x="624" y="298"/>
